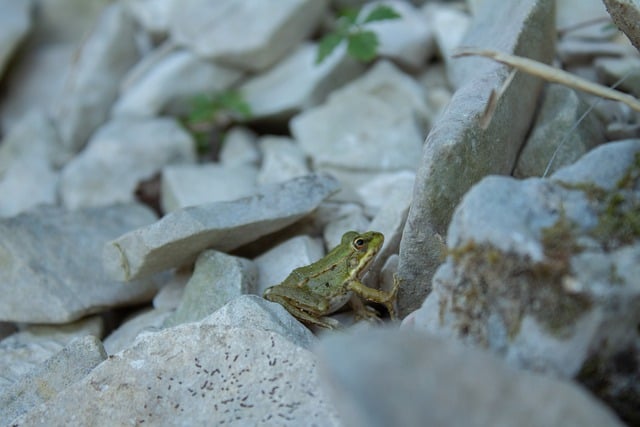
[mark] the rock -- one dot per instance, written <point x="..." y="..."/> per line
<point x="349" y="217"/>
<point x="66" y="367"/>
<point x="254" y="312"/>
<point x="624" y="70"/>
<point x="577" y="52"/>
<point x="277" y="263"/>
<point x="357" y="375"/>
<point x="375" y="193"/>
<point x="15" y="21"/>
<point x="152" y="15"/>
<point x="460" y="149"/>
<point x="571" y="14"/>
<point x="166" y="79"/>
<point x="381" y="112"/>
<point x="25" y="351"/>
<point x="169" y="297"/>
<point x="449" y="27"/>
<point x="217" y="279"/>
<point x="282" y="159"/>
<point x="102" y="62"/>
<point x="65" y="21"/>
<point x="39" y="285"/>
<point x="408" y="40"/>
<point x="181" y="235"/>
<point x="36" y="78"/>
<point x="543" y="272"/>
<point x="559" y="137"/>
<point x="149" y="320"/>
<point x="297" y="82"/>
<point x="122" y="153"/>
<point x="218" y="30"/>
<point x="240" y="147"/>
<point x="196" y="374"/>
<point x="27" y="165"/>
<point x="192" y="185"/>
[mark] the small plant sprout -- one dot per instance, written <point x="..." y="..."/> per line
<point x="362" y="44"/>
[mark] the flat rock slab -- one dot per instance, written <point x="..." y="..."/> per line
<point x="461" y="149"/>
<point x="51" y="266"/>
<point x="196" y="375"/>
<point x="390" y="377"/>
<point x="180" y="236"/>
<point x="14" y="25"/>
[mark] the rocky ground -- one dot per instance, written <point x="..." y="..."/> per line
<point x="163" y="162"/>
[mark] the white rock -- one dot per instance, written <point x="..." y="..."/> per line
<point x="36" y="79"/>
<point x="449" y="27"/>
<point x="276" y="264"/>
<point x="169" y="297"/>
<point x="181" y="235"/>
<point x="625" y="70"/>
<point x="244" y="33"/>
<point x="153" y="15"/>
<point x="119" y="155"/>
<point x="282" y="159"/>
<point x="570" y="14"/>
<point x="376" y="193"/>
<point x="22" y="352"/>
<point x="239" y="147"/>
<point x="125" y="335"/>
<point x="61" y="370"/>
<point x="15" y="21"/>
<point x="28" y="176"/>
<point x="254" y="312"/>
<point x="378" y="123"/>
<point x="196" y="374"/>
<point x="297" y="82"/>
<point x="350" y="217"/>
<point x="217" y="279"/>
<point x="166" y="79"/>
<point x="192" y="185"/>
<point x="92" y="85"/>
<point x="408" y="40"/>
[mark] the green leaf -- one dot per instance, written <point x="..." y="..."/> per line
<point x="363" y="45"/>
<point x="381" y="13"/>
<point x="327" y="45"/>
<point x="349" y="14"/>
<point x="233" y="102"/>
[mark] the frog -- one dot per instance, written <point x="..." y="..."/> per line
<point x="312" y="292"/>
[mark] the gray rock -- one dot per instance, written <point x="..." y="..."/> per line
<point x="348" y="216"/>
<point x="558" y="137"/>
<point x="102" y="62"/>
<point x="389" y="377"/>
<point x="66" y="367"/>
<point x="217" y="279"/>
<point x="26" y="350"/>
<point x="460" y="150"/>
<point x="196" y="374"/>
<point x="181" y="235"/>
<point x="254" y="312"/>
<point x="166" y="78"/>
<point x="576" y="52"/>
<point x="27" y="165"/>
<point x="218" y="30"/>
<point x="374" y="194"/>
<point x="169" y="297"/>
<point x="408" y="40"/>
<point x="282" y="159"/>
<point x="297" y="82"/>
<point x="119" y="155"/>
<point x="449" y="27"/>
<point x="544" y="272"/>
<point x="52" y="271"/>
<point x="570" y="14"/>
<point x="381" y="112"/>
<point x="625" y="70"/>
<point x="276" y="264"/>
<point x="15" y="21"/>
<point x="152" y="15"/>
<point x="125" y="335"/>
<point x="192" y="185"/>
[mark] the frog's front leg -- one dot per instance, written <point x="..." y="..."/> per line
<point x="386" y="298"/>
<point x="311" y="311"/>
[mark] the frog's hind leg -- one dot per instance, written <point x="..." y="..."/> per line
<point x="300" y="313"/>
<point x="375" y="295"/>
<point x="363" y="311"/>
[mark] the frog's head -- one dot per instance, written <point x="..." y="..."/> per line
<point x="364" y="247"/>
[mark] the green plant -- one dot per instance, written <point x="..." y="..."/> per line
<point x="362" y="44"/>
<point x="212" y="113"/>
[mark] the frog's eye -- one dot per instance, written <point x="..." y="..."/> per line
<point x="358" y="243"/>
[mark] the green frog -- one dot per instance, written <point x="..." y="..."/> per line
<point x="311" y="292"/>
